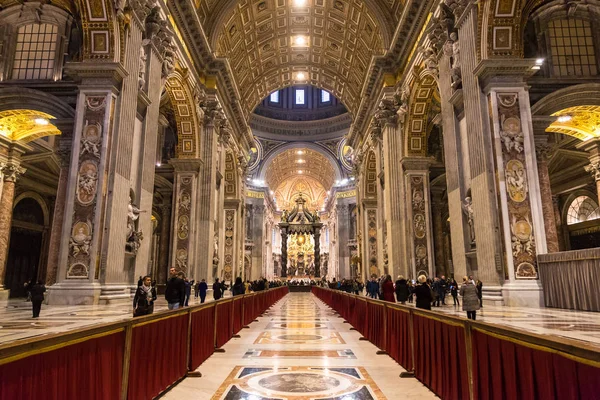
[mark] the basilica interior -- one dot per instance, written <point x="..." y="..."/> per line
<point x="305" y="141"/>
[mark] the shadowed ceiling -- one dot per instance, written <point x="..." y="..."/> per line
<point x="259" y="40"/>
<point x="290" y="162"/>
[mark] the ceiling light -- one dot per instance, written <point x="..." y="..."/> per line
<point x="328" y="193"/>
<point x="300" y="76"/>
<point x="299" y="3"/>
<point x="158" y="164"/>
<point x="299" y="152"/>
<point x="41" y="121"/>
<point x="300" y="161"/>
<point x="536" y="67"/>
<point x="539" y="61"/>
<point x="564" y="118"/>
<point x="344" y="181"/>
<point x="300" y="171"/>
<point x="271" y="192"/>
<point x="300" y="41"/>
<point x="352" y="178"/>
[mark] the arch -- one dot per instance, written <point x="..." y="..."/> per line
<point x="569" y="200"/>
<point x="13" y="98"/>
<point x="342" y="38"/>
<point x="501" y="31"/>
<point x="572" y="96"/>
<point x="39" y="199"/>
<point x="424" y="91"/>
<point x="261" y="173"/>
<point x="185" y="113"/>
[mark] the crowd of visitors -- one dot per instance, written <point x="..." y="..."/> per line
<point x="427" y="293"/>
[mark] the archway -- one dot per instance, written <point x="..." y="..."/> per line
<point x="25" y="249"/>
<point x="181" y="97"/>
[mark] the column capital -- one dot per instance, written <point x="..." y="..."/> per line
<point x="186" y="165"/>
<point x="594" y="169"/>
<point x="11" y="171"/>
<point x="544" y="150"/>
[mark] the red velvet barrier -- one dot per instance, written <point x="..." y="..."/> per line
<point x="507" y="370"/>
<point x="238" y="314"/>
<point x="398" y="337"/>
<point x="76" y="371"/>
<point x="440" y="357"/>
<point x="203" y="332"/>
<point x="224" y="329"/>
<point x="351" y="311"/>
<point x="158" y="356"/>
<point x="360" y="307"/>
<point x="376" y="317"/>
<point x="344" y="300"/>
<point x="249" y="314"/>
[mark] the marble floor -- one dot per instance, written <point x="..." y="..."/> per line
<point x="299" y="350"/>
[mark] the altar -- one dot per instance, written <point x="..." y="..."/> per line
<point x="300" y="241"/>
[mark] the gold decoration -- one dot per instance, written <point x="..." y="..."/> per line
<point x="584" y="122"/>
<point x="26" y="125"/>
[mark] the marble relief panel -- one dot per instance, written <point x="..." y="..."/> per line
<point x="372" y="241"/>
<point x="419" y="223"/>
<point x="86" y="192"/>
<point x="229" y="245"/>
<point x="184" y="201"/>
<point x="523" y="247"/>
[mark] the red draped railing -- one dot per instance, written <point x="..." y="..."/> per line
<point x="133" y="359"/>
<point x="508" y="368"/>
<point x="238" y="314"/>
<point x="223" y="320"/>
<point x="158" y="356"/>
<point x="203" y="326"/>
<point x="463" y="359"/>
<point x="77" y="368"/>
<point x="398" y="343"/>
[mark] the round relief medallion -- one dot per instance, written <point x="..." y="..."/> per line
<point x="299" y="383"/>
<point x="522" y="229"/>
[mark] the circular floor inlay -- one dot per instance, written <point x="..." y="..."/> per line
<point x="299" y="383"/>
<point x="299" y="337"/>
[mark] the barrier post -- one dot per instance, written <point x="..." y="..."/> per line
<point x="126" y="359"/>
<point x="411" y="333"/>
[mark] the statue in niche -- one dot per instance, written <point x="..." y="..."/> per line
<point x="134" y="236"/>
<point x="467" y="207"/>
<point x="456" y="73"/>
<point x="143" y="62"/>
<point x="215" y="260"/>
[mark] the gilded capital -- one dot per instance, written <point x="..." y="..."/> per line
<point x="594" y="169"/>
<point x="11" y="171"/>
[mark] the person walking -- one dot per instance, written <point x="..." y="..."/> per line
<point x="175" y="291"/>
<point x="437" y="283"/>
<point x="468" y="292"/>
<point x="197" y="290"/>
<point x="479" y="286"/>
<point x="188" y="291"/>
<point x="454" y="292"/>
<point x="411" y="291"/>
<point x="442" y="289"/>
<point x="143" y="301"/>
<point x="372" y="288"/>
<point x="37" y="297"/>
<point x="238" y="287"/>
<point x="217" y="290"/>
<point x="388" y="289"/>
<point x="401" y="290"/>
<point x="423" y="293"/>
<point x="202" y="288"/>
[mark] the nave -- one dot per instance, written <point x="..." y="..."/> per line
<point x="299" y="349"/>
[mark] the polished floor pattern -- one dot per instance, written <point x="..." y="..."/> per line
<point x="299" y="350"/>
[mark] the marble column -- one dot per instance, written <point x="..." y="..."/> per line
<point x="438" y="234"/>
<point x="165" y="230"/>
<point x="64" y="154"/>
<point x="543" y="150"/>
<point x="10" y="171"/>
<point x="185" y="198"/>
<point x="419" y="215"/>
<point x="342" y="255"/>
<point x="593" y="149"/>
<point x="559" y="224"/>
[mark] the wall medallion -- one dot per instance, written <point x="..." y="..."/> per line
<point x="87" y="180"/>
<point x="419" y="225"/>
<point x="183" y="227"/>
<point x="516" y="181"/>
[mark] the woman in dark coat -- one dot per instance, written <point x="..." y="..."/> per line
<point x="143" y="301"/>
<point x="37" y="297"/>
<point x="468" y="292"/>
<point x="423" y="293"/>
<point x="238" y="287"/>
<point x="388" y="290"/>
<point x="402" y="291"/>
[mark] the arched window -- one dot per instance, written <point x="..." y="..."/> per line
<point x="582" y="209"/>
<point x="571" y="47"/>
<point x="35" y="51"/>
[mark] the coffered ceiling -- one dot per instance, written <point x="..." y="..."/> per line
<point x="582" y="122"/>
<point x="259" y="39"/>
<point x="311" y="189"/>
<point x="294" y="163"/>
